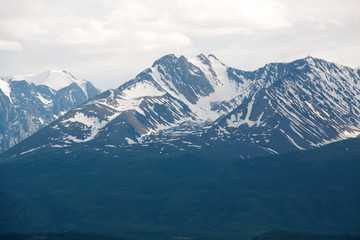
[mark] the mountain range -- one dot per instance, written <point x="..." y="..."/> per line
<point x="31" y="102"/>
<point x="199" y="103"/>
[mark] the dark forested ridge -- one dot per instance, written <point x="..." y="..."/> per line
<point x="55" y="236"/>
<point x="289" y="235"/>
<point x="143" y="195"/>
<point x="271" y="235"/>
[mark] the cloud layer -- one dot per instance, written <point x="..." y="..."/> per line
<point x="120" y="37"/>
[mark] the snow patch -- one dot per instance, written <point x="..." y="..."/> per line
<point x="350" y="134"/>
<point x="31" y="150"/>
<point x="292" y="140"/>
<point x="272" y="151"/>
<point x="111" y="146"/>
<point x="235" y="120"/>
<point x="129" y="140"/>
<point x="5" y="88"/>
<point x="43" y="100"/>
<point x="93" y="123"/>
<point x="142" y="89"/>
<point x="58" y="146"/>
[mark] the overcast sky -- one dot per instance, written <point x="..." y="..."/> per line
<point x="109" y="42"/>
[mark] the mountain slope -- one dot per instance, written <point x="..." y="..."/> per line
<point x="28" y="103"/>
<point x="148" y="195"/>
<point x="310" y="102"/>
<point x="200" y="103"/>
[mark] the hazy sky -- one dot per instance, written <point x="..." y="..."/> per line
<point x="109" y="42"/>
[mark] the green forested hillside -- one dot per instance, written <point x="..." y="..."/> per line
<point x="141" y="195"/>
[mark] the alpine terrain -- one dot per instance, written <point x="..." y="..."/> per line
<point x="195" y="104"/>
<point x="28" y="103"/>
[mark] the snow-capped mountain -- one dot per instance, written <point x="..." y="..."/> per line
<point x="307" y="103"/>
<point x="28" y="103"/>
<point x="201" y="103"/>
<point x="174" y="91"/>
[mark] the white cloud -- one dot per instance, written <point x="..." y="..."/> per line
<point x="22" y="29"/>
<point x="118" y="35"/>
<point x="245" y="14"/>
<point x="334" y="12"/>
<point x="9" y="46"/>
<point x="143" y="25"/>
<point x="90" y="33"/>
<point x="151" y="41"/>
<point x="22" y="8"/>
<point x="198" y="17"/>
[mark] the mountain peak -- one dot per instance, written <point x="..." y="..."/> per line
<point x="213" y="56"/>
<point x="309" y="59"/>
<point x="209" y="60"/>
<point x="204" y="59"/>
<point x="55" y="79"/>
<point x="169" y="58"/>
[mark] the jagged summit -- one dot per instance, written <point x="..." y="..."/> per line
<point x="168" y="58"/>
